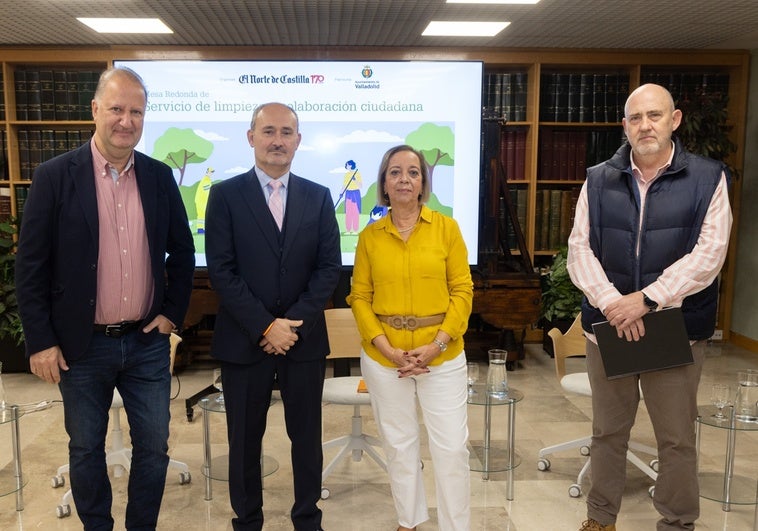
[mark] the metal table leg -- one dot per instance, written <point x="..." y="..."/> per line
<point x="729" y="461"/>
<point x="207" y="453"/>
<point x="511" y="447"/>
<point x="487" y="437"/>
<point x="16" y="443"/>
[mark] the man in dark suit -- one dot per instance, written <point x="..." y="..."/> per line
<point x="273" y="283"/>
<point x="103" y="275"/>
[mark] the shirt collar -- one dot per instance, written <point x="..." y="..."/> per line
<point x="637" y="172"/>
<point x="425" y="215"/>
<point x="103" y="167"/>
<point x="264" y="179"/>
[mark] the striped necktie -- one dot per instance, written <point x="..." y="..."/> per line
<point x="275" y="203"/>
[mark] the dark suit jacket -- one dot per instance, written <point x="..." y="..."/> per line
<point x="260" y="274"/>
<point x="56" y="264"/>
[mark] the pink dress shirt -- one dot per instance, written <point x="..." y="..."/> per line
<point x="124" y="280"/>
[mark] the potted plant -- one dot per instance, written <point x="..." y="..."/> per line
<point x="11" y="333"/>
<point x="705" y="128"/>
<point x="561" y="300"/>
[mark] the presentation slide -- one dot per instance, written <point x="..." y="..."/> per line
<point x="198" y="114"/>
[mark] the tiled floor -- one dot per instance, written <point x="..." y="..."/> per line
<point x="360" y="497"/>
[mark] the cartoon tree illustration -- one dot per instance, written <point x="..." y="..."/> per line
<point x="436" y="143"/>
<point x="179" y="147"/>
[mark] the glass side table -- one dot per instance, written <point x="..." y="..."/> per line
<point x="727" y="488"/>
<point x="14" y="481"/>
<point x="218" y="468"/>
<point x="490" y="457"/>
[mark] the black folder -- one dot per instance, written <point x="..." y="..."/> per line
<point x="664" y="345"/>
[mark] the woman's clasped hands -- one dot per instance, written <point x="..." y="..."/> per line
<point x="414" y="362"/>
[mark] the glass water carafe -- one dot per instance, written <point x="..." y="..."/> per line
<point x="497" y="374"/>
<point x="746" y="401"/>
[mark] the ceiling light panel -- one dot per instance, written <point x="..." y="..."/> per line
<point x="126" y="25"/>
<point x="492" y="1"/>
<point x="463" y="29"/>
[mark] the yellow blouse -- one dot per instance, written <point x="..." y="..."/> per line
<point x="427" y="275"/>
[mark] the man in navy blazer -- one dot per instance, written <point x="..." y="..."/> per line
<point x="103" y="274"/>
<point x="273" y="285"/>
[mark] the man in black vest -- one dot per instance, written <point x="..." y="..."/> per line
<point x="651" y="230"/>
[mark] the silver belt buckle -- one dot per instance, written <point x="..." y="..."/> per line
<point x="113" y="330"/>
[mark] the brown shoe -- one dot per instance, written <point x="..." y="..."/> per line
<point x="594" y="525"/>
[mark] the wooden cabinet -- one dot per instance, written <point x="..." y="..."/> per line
<point x="540" y="114"/>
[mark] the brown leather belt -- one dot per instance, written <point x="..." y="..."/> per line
<point x="411" y="322"/>
<point x="117" y="329"/>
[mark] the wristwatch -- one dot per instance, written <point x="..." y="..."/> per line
<point x="440" y="344"/>
<point x="650" y="303"/>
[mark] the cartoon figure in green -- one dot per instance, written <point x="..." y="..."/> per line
<point x="201" y="199"/>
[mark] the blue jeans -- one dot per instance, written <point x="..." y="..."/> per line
<point x="141" y="374"/>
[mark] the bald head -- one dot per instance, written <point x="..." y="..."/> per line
<point x="649" y="121"/>
<point x="650" y="89"/>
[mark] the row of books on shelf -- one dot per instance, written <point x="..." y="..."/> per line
<point x="565" y="155"/>
<point x="51" y="94"/>
<point x="35" y="146"/>
<point x="683" y="85"/>
<point x="519" y="201"/>
<point x="583" y="97"/>
<point x="5" y="203"/>
<point x="6" y="213"/>
<point x="513" y="153"/>
<point x="504" y="94"/>
<point x="554" y="216"/>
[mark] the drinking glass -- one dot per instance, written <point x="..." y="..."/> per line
<point x="720" y="399"/>
<point x="472" y="368"/>
<point x="218" y="384"/>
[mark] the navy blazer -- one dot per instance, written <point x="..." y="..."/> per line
<point x="56" y="263"/>
<point x="261" y="274"/>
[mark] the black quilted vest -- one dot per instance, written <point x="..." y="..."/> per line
<point x="675" y="207"/>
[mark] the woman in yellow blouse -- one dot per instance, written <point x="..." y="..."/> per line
<point x="411" y="295"/>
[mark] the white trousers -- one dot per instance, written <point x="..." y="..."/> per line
<point x="442" y="395"/>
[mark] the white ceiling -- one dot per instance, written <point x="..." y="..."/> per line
<point x="695" y="24"/>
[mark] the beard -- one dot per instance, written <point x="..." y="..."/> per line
<point x="649" y="147"/>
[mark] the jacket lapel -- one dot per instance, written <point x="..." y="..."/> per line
<point x="297" y="202"/>
<point x="251" y="193"/>
<point x="82" y="174"/>
<point x="147" y="185"/>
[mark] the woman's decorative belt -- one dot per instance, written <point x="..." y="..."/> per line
<point x="411" y="322"/>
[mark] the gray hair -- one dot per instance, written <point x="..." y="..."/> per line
<point x="260" y="107"/>
<point x="118" y="71"/>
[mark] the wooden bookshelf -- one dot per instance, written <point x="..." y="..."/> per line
<point x="532" y="67"/>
